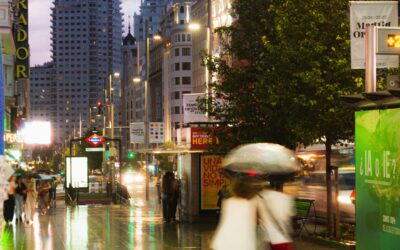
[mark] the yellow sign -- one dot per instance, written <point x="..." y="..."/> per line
<point x="211" y="181"/>
<point x="393" y="41"/>
<point x="21" y="41"/>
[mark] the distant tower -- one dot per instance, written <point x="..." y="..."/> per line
<point x="86" y="45"/>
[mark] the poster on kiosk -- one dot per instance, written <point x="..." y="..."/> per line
<point x="377" y="140"/>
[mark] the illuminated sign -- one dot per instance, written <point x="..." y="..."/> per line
<point x="201" y="139"/>
<point x="21" y="40"/>
<point x="95" y="140"/>
<point x="77" y="172"/>
<point x="388" y="40"/>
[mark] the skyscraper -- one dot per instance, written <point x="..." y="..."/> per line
<point x="86" y="46"/>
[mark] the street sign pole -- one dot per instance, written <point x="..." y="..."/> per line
<point x="370" y="59"/>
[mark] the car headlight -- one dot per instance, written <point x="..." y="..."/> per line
<point x="344" y="199"/>
<point x="128" y="179"/>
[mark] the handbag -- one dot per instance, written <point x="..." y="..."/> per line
<point x="282" y="230"/>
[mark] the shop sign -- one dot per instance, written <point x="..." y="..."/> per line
<point x="21" y="40"/>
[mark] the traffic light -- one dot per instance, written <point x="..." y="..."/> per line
<point x="131" y="155"/>
<point x="99" y="107"/>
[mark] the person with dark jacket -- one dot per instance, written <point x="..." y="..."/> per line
<point x="169" y="192"/>
<point x="8" y="206"/>
<point x="20" y="198"/>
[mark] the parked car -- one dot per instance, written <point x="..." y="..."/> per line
<point x="314" y="188"/>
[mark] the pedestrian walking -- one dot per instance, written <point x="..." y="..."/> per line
<point x="43" y="196"/>
<point x="52" y="192"/>
<point x="20" y="198"/>
<point x="238" y="222"/>
<point x="276" y="211"/>
<point x="168" y="196"/>
<point x="31" y="196"/>
<point x="9" y="204"/>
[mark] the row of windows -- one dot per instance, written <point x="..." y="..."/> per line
<point x="185" y="51"/>
<point x="183" y="37"/>
<point x="177" y="95"/>
<point x="185" y="66"/>
<point x="176" y="110"/>
<point x="186" y="80"/>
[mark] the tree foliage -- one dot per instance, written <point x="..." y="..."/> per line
<point x="285" y="65"/>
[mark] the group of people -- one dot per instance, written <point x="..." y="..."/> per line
<point x="253" y="207"/>
<point x="169" y="196"/>
<point x="22" y="196"/>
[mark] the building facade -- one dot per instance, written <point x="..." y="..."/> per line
<point x="177" y="65"/>
<point x="86" y="46"/>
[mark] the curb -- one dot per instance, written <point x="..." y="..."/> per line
<point x="329" y="243"/>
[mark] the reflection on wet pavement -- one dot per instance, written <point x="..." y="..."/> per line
<point x="138" y="226"/>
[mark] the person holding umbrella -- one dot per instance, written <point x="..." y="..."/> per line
<point x="249" y="166"/>
<point x="20" y="197"/>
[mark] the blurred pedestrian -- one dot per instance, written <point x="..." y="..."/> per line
<point x="237" y="226"/>
<point x="168" y="196"/>
<point x="9" y="204"/>
<point x="52" y="192"/>
<point x="43" y="196"/>
<point x="108" y="186"/>
<point x="276" y="210"/>
<point x="20" y="198"/>
<point x="31" y="196"/>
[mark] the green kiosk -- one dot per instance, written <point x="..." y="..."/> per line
<point x="377" y="141"/>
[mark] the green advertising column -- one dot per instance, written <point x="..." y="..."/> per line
<point x="378" y="179"/>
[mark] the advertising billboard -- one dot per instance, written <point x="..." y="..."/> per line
<point x="377" y="179"/>
<point x="78" y="174"/>
<point x="37" y="132"/>
<point x="211" y="181"/>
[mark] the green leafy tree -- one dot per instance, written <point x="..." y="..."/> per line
<point x="285" y="66"/>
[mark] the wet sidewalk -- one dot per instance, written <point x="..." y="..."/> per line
<point x="104" y="227"/>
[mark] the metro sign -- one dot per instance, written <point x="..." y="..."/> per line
<point x="95" y="140"/>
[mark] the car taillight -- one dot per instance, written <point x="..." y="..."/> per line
<point x="353" y="196"/>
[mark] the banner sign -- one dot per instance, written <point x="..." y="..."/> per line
<point x="211" y="181"/>
<point x="191" y="111"/>
<point x="77" y="172"/>
<point x="378" y="179"/>
<point x="201" y="139"/>
<point x="21" y="40"/>
<point x="136" y="131"/>
<point x="156" y="132"/>
<point x="364" y="14"/>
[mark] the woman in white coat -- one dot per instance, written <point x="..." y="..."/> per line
<point x="238" y="223"/>
<point x="31" y="196"/>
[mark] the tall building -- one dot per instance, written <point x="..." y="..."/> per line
<point x="128" y="86"/>
<point x="43" y="94"/>
<point x="177" y="64"/>
<point x="152" y="11"/>
<point x="86" y="46"/>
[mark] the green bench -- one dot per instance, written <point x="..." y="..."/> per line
<point x="303" y="207"/>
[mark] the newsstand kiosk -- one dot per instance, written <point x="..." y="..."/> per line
<point x="199" y="174"/>
<point x="377" y="140"/>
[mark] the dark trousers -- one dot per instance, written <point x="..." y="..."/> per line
<point x="168" y="207"/>
<point x="52" y="194"/>
<point x="8" y="209"/>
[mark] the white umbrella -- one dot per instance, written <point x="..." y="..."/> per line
<point x="261" y="159"/>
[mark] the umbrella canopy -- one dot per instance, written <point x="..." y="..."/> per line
<point x="42" y="176"/>
<point x="261" y="159"/>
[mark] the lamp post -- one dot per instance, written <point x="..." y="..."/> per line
<point x="146" y="108"/>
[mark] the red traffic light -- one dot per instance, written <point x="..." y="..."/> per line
<point x="99" y="104"/>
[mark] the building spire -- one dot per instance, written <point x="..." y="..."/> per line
<point x="129" y="24"/>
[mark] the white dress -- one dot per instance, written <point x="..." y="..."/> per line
<point x="281" y="207"/>
<point x="237" y="226"/>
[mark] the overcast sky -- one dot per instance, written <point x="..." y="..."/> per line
<point x="39" y="27"/>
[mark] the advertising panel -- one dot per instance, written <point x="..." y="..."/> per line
<point x="191" y="111"/>
<point x="378" y="179"/>
<point x="201" y="139"/>
<point x="78" y="174"/>
<point x="211" y="181"/>
<point x="136" y="130"/>
<point x="362" y="15"/>
<point x="37" y="132"/>
<point x="156" y="132"/>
